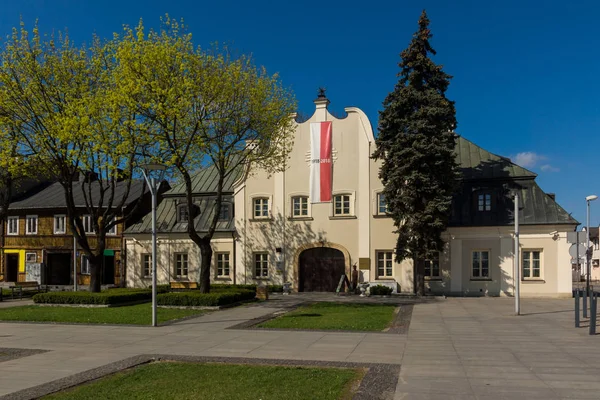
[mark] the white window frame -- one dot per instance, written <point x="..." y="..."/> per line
<point x="541" y="260"/>
<point x="146" y="257"/>
<point x="28" y="230"/>
<point x="88" y="227"/>
<point x="264" y="264"/>
<point x="261" y="215"/>
<point x="57" y="218"/>
<point x="178" y="216"/>
<point x="484" y="202"/>
<point x="223" y="261"/>
<point x="300" y="199"/>
<point x="378" y="208"/>
<point x="84" y="269"/>
<point x="388" y="256"/>
<point x="431" y="276"/>
<point x="184" y="259"/>
<point x="9" y="224"/>
<point x="27" y="257"/>
<point x="113" y="230"/>
<point x="489" y="260"/>
<point x="343" y="214"/>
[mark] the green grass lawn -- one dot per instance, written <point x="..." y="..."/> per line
<point x="170" y="380"/>
<point x="140" y="314"/>
<point x="340" y="316"/>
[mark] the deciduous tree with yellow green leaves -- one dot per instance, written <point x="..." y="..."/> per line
<point x="204" y="108"/>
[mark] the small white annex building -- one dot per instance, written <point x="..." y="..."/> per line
<point x="273" y="231"/>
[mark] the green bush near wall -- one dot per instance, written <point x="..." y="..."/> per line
<point x="380" y="290"/>
<point x="197" y="299"/>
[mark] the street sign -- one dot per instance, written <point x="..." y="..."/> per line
<point x="576" y="237"/>
<point x="573" y="251"/>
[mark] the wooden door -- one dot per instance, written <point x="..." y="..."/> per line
<point x="320" y="269"/>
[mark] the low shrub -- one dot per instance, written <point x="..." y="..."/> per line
<point x="380" y="290"/>
<point x="228" y="286"/>
<point x="107" y="297"/>
<point x="275" y="288"/>
<point x="197" y="299"/>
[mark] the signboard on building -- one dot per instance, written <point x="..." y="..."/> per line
<point x="33" y="272"/>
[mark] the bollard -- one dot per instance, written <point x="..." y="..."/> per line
<point x="585" y="303"/>
<point x="593" y="310"/>
<point x="577" y="308"/>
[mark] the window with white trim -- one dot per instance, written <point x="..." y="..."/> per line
<point x="12" y="226"/>
<point x="480" y="264"/>
<point x="181" y="265"/>
<point x="261" y="265"/>
<point x="382" y="207"/>
<point x="261" y="207"/>
<point x="385" y="263"/>
<point x="88" y="227"/>
<point x="300" y="206"/>
<point x="146" y="265"/>
<point x="113" y="229"/>
<point x="60" y="224"/>
<point x="223" y="265"/>
<point x="30" y="257"/>
<point x="532" y="264"/>
<point x="31" y="225"/>
<point x="484" y="202"/>
<point x="432" y="268"/>
<point x="85" y="265"/>
<point x="341" y="205"/>
<point x="182" y="213"/>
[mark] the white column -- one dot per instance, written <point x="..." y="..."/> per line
<point x="562" y="265"/>
<point x="456" y="266"/>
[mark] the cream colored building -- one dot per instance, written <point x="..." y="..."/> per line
<point x="276" y="235"/>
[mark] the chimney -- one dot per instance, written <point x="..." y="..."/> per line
<point x="552" y="195"/>
<point x="321" y="103"/>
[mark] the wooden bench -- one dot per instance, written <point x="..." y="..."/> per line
<point x="184" y="285"/>
<point x="26" y="286"/>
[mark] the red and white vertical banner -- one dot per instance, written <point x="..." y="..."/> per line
<point x="321" y="165"/>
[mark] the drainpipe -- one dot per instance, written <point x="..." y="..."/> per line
<point x="234" y="257"/>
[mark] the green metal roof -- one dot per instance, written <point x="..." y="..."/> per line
<point x="537" y="208"/>
<point x="205" y="181"/>
<point x="478" y="163"/>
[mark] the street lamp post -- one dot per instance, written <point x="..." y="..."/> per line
<point x="154" y="174"/>
<point x="587" y="244"/>
<point x="517" y="272"/>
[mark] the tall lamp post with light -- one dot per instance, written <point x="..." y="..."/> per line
<point x="154" y="174"/>
<point x="588" y="254"/>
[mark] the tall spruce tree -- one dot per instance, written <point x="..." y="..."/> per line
<point x="416" y="144"/>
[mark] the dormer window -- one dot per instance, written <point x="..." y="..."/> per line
<point x="182" y="213"/>
<point x="484" y="202"/>
<point x="225" y="214"/>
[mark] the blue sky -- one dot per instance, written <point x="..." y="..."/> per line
<point x="525" y="72"/>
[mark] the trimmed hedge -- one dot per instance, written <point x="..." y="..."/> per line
<point x="107" y="297"/>
<point x="197" y="299"/>
<point x="380" y="290"/>
<point x="271" y="288"/>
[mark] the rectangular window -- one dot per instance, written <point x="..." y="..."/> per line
<point x="60" y="224"/>
<point x="113" y="229"/>
<point x="532" y="264"/>
<point x="223" y="265"/>
<point x="147" y="265"/>
<point x="261" y="265"/>
<point x="31" y="225"/>
<point x="385" y="264"/>
<point x="300" y="206"/>
<point x="224" y="214"/>
<point x="480" y="264"/>
<point x="261" y="207"/>
<point x="87" y="224"/>
<point x="85" y="265"/>
<point x="432" y="268"/>
<point x="484" y="202"/>
<point x="181" y="265"/>
<point x="341" y="205"/>
<point x="30" y="257"/>
<point x="12" y="226"/>
<point x="182" y="213"/>
<point x="382" y="207"/>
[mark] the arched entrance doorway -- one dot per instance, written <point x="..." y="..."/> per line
<point x="320" y="269"/>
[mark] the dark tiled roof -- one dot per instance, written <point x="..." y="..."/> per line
<point x="206" y="181"/>
<point x="478" y="163"/>
<point x="166" y="217"/>
<point x="538" y="208"/>
<point x="54" y="195"/>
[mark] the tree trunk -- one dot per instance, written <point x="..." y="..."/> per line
<point x="95" y="273"/>
<point x="206" y="258"/>
<point x="419" y="276"/>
